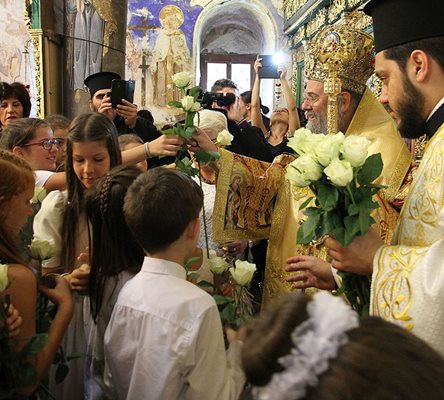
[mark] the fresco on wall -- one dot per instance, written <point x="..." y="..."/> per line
<point x="92" y="25"/>
<point x="16" y="48"/>
<point x="159" y="44"/>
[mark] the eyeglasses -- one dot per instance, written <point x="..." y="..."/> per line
<point x="311" y="98"/>
<point x="45" y="143"/>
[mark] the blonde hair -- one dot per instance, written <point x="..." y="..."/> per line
<point x="209" y="120"/>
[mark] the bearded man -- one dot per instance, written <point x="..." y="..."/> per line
<point x="266" y="205"/>
<point x="407" y="285"/>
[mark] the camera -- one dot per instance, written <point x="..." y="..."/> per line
<point x="221" y="99"/>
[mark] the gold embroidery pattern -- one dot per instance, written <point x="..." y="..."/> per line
<point x="393" y="292"/>
<point x="419" y="217"/>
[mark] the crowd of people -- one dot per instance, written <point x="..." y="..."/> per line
<point x="123" y="223"/>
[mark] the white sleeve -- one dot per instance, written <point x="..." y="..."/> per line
<point x="48" y="224"/>
<point x="215" y="374"/>
<point x="41" y="177"/>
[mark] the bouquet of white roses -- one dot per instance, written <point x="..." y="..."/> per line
<point x="340" y="174"/>
<point x="238" y="308"/>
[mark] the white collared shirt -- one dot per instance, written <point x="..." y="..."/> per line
<point x="165" y="340"/>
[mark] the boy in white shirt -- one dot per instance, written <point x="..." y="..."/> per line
<point x="165" y="339"/>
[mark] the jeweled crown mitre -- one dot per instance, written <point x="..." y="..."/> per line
<point x="341" y="50"/>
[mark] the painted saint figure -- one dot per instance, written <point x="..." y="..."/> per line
<point x="170" y="55"/>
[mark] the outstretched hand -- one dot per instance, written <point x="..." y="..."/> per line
<point x="310" y="272"/>
<point x="165" y="145"/>
<point x="257" y="64"/>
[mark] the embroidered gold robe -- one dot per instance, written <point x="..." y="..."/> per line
<point x="254" y="200"/>
<point x="408" y="276"/>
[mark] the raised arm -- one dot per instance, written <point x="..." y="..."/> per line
<point x="256" y="115"/>
<point x="293" y="116"/>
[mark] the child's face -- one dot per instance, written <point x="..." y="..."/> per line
<point x="61" y="134"/>
<point x="90" y="161"/>
<point x="36" y="155"/>
<point x="18" y="209"/>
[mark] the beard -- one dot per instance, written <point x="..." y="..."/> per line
<point x="411" y="124"/>
<point x="320" y="125"/>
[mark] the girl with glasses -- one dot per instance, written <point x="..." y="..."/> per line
<point x="33" y="140"/>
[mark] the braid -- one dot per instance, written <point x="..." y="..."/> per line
<point x="104" y="194"/>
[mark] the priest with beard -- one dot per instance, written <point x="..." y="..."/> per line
<point x="269" y="203"/>
<point x="407" y="276"/>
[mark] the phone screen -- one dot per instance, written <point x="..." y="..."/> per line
<point x="121" y="89"/>
<point x="269" y="69"/>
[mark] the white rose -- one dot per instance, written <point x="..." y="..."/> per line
<point x="243" y="272"/>
<point x="189" y="104"/>
<point x="181" y="79"/>
<point x="355" y="150"/>
<point x="303" y="171"/>
<point x="224" y="138"/>
<point x="340" y="172"/>
<point x="328" y="149"/>
<point x="41" y="249"/>
<point x="218" y="265"/>
<point x="304" y="142"/>
<point x="3" y="277"/>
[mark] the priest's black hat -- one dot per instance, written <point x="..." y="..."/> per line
<point x="397" y="22"/>
<point x="100" y="80"/>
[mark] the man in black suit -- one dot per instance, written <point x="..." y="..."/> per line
<point x="248" y="140"/>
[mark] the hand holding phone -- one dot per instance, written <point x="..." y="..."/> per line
<point x="269" y="69"/>
<point x="121" y="89"/>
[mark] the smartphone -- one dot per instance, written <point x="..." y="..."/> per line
<point x="269" y="68"/>
<point x="121" y="89"/>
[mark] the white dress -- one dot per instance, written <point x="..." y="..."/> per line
<point x="48" y="225"/>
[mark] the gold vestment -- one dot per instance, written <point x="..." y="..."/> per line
<point x="268" y="198"/>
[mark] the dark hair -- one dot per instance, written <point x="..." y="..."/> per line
<point x="20" y="132"/>
<point x="433" y="46"/>
<point x="57" y="121"/>
<point x="88" y="127"/>
<point x="223" y="83"/>
<point x="114" y="249"/>
<point x="380" y="361"/>
<point x="159" y="206"/>
<point x="17" y="91"/>
<point x="15" y="177"/>
<point x="146" y="114"/>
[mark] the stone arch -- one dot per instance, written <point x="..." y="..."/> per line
<point x="251" y="21"/>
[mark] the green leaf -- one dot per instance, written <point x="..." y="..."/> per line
<point x="351" y="225"/>
<point x="206" y="157"/>
<point x="339" y="234"/>
<point x="205" y="284"/>
<point x="193" y="275"/>
<point x="170" y="131"/>
<point x="328" y="197"/>
<point x="371" y="169"/>
<point x="176" y="104"/>
<point x="306" y="232"/>
<point x="194" y="91"/>
<point x="228" y="314"/>
<point x="221" y="300"/>
<point x="61" y="373"/>
<point x="190" y="261"/>
<point x="306" y="203"/>
<point x="37" y="343"/>
<point x="364" y="220"/>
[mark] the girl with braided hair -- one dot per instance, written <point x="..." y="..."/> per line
<point x="115" y="258"/>
<point x="317" y="349"/>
